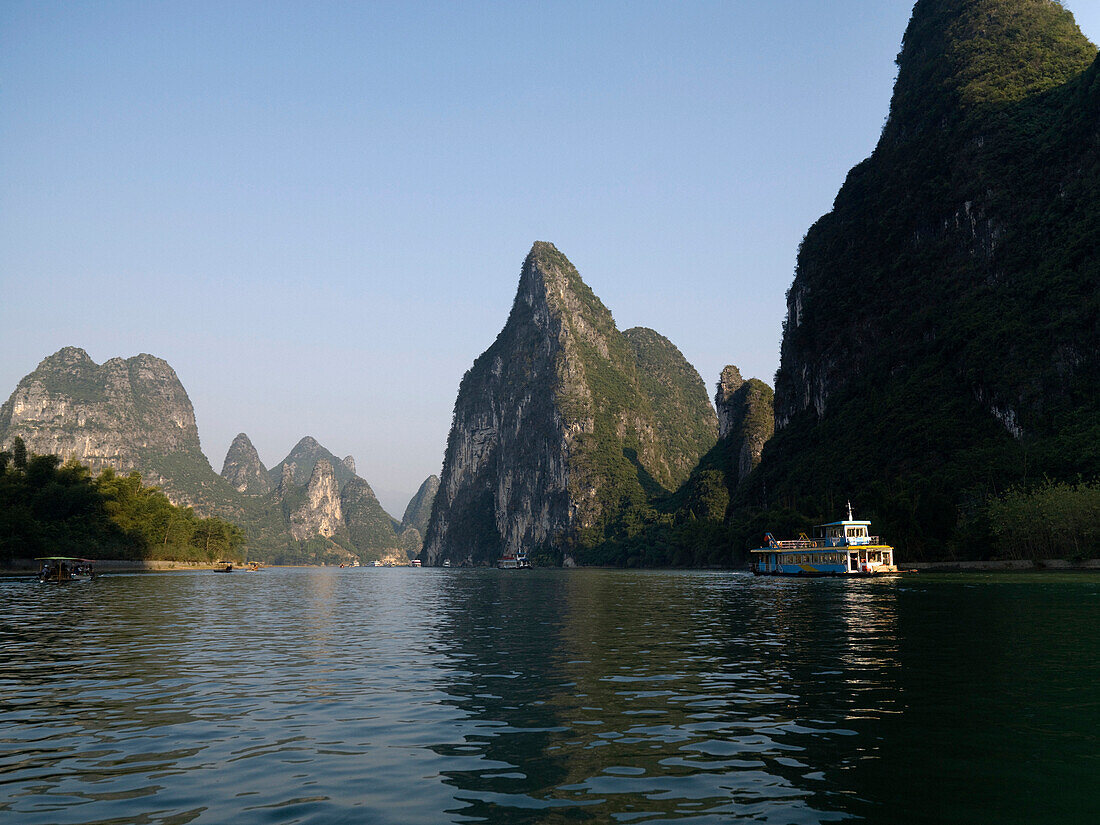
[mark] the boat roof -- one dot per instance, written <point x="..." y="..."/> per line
<point x="843" y="523"/>
<point x="59" y="558"/>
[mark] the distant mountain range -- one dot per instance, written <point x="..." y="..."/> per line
<point x="135" y="415"/>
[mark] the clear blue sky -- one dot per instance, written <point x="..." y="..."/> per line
<point x="317" y="212"/>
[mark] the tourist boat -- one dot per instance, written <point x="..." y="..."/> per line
<point x="840" y="548"/>
<point x="253" y="567"/>
<point x="415" y="563"/>
<point x="223" y="566"/>
<point x="59" y="569"/>
<point x="514" y="561"/>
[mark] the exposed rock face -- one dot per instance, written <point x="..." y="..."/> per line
<point x="243" y="468"/>
<point x="304" y="457"/>
<point x="552" y="429"/>
<point x="746" y="420"/>
<point x="941" y="326"/>
<point x="130" y="414"/>
<point x="320" y="512"/>
<point x="419" y="509"/>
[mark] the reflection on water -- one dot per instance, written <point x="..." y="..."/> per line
<point x="547" y="696"/>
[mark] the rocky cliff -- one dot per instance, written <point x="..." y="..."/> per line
<point x="318" y="511"/>
<point x="419" y="508"/>
<point x="129" y="414"/>
<point x="746" y="420"/>
<point x="243" y="468"/>
<point x="553" y="429"/>
<point x="941" y="339"/>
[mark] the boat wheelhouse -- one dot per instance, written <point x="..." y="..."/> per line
<point x="514" y="561"/>
<point x="839" y="548"/>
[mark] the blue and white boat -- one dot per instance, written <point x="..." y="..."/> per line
<point x="839" y="548"/>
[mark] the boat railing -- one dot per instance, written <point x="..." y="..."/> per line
<point x="810" y="544"/>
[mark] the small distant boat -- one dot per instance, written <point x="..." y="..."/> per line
<point x="59" y="569"/>
<point x="446" y="562"/>
<point x="415" y="563"/>
<point x="839" y="548"/>
<point x="514" y="561"/>
<point x="377" y="563"/>
<point x="223" y="566"/>
<point x="253" y="567"/>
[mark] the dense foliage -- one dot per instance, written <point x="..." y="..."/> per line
<point x="47" y="508"/>
<point x="1052" y="520"/>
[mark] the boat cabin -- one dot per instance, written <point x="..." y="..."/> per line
<point x="839" y="548"/>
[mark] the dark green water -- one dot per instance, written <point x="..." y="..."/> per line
<point x="425" y="696"/>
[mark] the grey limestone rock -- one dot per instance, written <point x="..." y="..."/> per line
<point x="243" y="468"/>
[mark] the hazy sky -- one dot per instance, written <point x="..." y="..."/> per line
<point x="317" y="212"/>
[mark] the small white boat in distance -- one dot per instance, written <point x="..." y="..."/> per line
<point x="839" y="548"/>
<point x="514" y="561"/>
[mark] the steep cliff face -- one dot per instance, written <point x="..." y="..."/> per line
<point x="746" y="420"/>
<point x="419" y="508"/>
<point x="304" y="457"/>
<point x="130" y="414"/>
<point x="941" y="328"/>
<point x="552" y="429"/>
<point x="243" y="468"/>
<point x="318" y="513"/>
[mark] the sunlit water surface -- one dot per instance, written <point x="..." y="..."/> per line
<point x="424" y="696"/>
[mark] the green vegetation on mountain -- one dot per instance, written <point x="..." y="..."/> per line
<point x="50" y="508"/>
<point x="304" y="457"/>
<point x="370" y="529"/>
<point x="941" y="343"/>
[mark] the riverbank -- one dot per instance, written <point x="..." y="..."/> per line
<point x="1007" y="565"/>
<point x="30" y="567"/>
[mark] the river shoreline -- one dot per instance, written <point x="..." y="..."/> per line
<point x="29" y="567"/>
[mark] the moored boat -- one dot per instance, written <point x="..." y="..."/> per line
<point x="839" y="548"/>
<point x="514" y="561"/>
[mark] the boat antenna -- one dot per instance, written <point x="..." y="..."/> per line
<point x="849" y="509"/>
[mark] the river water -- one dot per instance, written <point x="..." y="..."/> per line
<point x="549" y="696"/>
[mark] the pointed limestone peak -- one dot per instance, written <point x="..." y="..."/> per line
<point x="725" y="401"/>
<point x="304" y="457"/>
<point x="66" y="359"/>
<point x="243" y="468"/>
<point x="550" y="286"/>
<point x="349" y="463"/>
<point x="961" y="55"/>
<point x="746" y="419"/>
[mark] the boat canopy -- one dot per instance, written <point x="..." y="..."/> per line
<point x="61" y="558"/>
